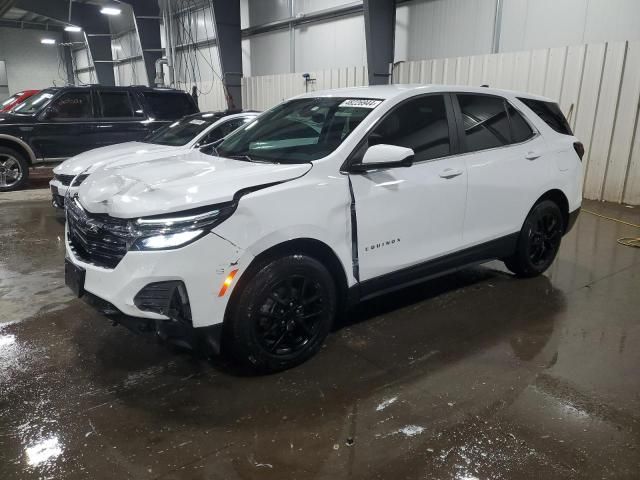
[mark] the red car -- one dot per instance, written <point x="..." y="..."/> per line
<point x="15" y="99"/>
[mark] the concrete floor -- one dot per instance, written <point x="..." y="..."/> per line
<point x="473" y="376"/>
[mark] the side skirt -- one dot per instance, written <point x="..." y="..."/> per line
<point x="493" y="250"/>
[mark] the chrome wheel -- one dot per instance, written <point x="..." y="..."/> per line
<point x="10" y="171"/>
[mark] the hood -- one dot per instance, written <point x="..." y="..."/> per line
<point x="130" y="151"/>
<point x="175" y="183"/>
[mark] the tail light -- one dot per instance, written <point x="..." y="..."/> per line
<point x="579" y="148"/>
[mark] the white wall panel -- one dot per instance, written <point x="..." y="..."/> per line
<point x="596" y="164"/>
<point x="589" y="92"/>
<point x="331" y="44"/>
<point x="266" y="11"/>
<point x="264" y="92"/>
<point x="270" y="53"/>
<point x="309" y="6"/>
<point x="625" y="124"/>
<point x="632" y="183"/>
<point x="533" y="24"/>
<point x="443" y="28"/>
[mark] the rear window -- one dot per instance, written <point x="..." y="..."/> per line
<point x="550" y="114"/>
<point x="168" y="105"/>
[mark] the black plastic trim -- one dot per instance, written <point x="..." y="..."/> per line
<point x="495" y="249"/>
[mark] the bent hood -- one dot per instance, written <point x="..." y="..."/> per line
<point x="132" y="151"/>
<point x="175" y="183"/>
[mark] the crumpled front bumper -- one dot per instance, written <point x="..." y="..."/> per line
<point x="201" y="266"/>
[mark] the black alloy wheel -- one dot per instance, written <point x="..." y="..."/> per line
<point x="282" y="314"/>
<point x="290" y="316"/>
<point x="539" y="240"/>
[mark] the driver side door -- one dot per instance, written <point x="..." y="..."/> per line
<point x="409" y="215"/>
<point x="67" y="127"/>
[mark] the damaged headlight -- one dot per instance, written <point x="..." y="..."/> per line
<point x="164" y="232"/>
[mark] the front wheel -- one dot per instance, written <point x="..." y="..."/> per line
<point x="14" y="170"/>
<point x="282" y="315"/>
<point x="539" y="240"/>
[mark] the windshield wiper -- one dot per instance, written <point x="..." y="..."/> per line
<point x="247" y="158"/>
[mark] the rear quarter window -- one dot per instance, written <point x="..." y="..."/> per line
<point x="549" y="113"/>
<point x="169" y="105"/>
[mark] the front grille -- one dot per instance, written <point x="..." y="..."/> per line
<point x="97" y="238"/>
<point x="66" y="179"/>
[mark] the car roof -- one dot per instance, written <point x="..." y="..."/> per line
<point x="131" y="87"/>
<point x="386" y="92"/>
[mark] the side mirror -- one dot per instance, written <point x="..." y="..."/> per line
<point x="382" y="156"/>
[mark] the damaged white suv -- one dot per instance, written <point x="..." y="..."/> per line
<point x="327" y="199"/>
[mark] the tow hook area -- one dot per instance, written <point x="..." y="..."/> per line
<point x="205" y="341"/>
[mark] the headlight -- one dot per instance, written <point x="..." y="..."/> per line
<point x="163" y="232"/>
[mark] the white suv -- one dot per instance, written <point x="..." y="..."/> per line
<point x="325" y="200"/>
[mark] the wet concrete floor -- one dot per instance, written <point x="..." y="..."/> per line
<point x="476" y="375"/>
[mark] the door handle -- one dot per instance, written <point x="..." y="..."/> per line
<point x="531" y="155"/>
<point x="450" y="173"/>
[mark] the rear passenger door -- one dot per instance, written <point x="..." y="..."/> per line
<point x="505" y="160"/>
<point x="121" y="117"/>
<point x="406" y="216"/>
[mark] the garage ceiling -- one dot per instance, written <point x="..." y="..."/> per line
<point x="12" y="16"/>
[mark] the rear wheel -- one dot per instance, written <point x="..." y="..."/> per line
<point x="14" y="170"/>
<point x="539" y="240"/>
<point x="283" y="314"/>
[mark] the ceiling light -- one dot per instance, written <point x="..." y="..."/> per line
<point x="48" y="41"/>
<point x="72" y="28"/>
<point x="110" y="11"/>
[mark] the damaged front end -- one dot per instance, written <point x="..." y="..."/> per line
<point x="169" y="299"/>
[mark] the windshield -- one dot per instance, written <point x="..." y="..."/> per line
<point x="9" y="100"/>
<point x="34" y="103"/>
<point x="297" y="131"/>
<point x="181" y="132"/>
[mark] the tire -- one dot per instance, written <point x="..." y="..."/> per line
<point x="14" y="170"/>
<point x="282" y="315"/>
<point x="538" y="241"/>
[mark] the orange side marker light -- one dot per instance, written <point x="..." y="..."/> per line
<point x="227" y="283"/>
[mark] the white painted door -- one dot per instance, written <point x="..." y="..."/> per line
<point x="408" y="215"/>
<point x="507" y="163"/>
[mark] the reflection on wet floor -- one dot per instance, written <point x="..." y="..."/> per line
<point x="471" y="376"/>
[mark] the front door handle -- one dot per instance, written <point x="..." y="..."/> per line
<point x="531" y="155"/>
<point x="450" y="173"/>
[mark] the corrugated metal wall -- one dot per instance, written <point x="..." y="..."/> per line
<point x="597" y="86"/>
<point x="263" y="92"/>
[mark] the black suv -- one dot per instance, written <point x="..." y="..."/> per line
<point x="58" y="123"/>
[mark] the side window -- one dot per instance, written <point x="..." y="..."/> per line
<point x="228" y="127"/>
<point x="76" y="105"/>
<point x="520" y="129"/>
<point x="550" y="114"/>
<point x="169" y="105"/>
<point x="485" y="120"/>
<point x="115" y="104"/>
<point x="420" y="124"/>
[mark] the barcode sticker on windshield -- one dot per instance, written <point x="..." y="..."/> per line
<point x="197" y="122"/>
<point x="361" y="103"/>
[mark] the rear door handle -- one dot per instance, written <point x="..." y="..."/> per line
<point x="450" y="173"/>
<point x="531" y="155"/>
